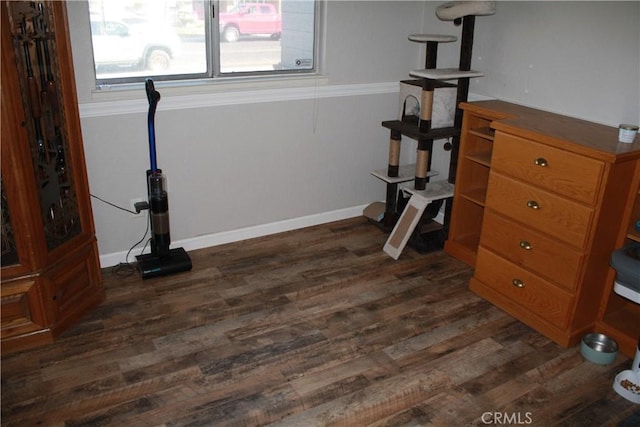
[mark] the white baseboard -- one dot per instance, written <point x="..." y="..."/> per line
<point x="200" y="242"/>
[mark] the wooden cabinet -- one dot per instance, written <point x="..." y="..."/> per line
<point x="472" y="177"/>
<point x="50" y="269"/>
<point x="537" y="209"/>
<point x="619" y="317"/>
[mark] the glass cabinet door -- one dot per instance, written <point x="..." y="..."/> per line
<point x="35" y="52"/>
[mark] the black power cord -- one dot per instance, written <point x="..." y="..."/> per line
<point x="114" y="205"/>
<point x="127" y="268"/>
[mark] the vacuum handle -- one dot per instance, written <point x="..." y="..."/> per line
<point x="153" y="96"/>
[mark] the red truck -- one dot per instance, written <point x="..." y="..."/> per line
<point x="250" y="19"/>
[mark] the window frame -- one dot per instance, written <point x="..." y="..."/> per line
<point x="213" y="74"/>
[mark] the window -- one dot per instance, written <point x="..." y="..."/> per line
<point x="185" y="39"/>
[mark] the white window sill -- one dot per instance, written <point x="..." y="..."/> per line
<point x="204" y="86"/>
<point x="127" y="99"/>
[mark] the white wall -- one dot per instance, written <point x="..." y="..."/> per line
<point x="233" y="166"/>
<point x="302" y="156"/>
<point x="576" y="58"/>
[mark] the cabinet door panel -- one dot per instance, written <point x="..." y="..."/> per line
<point x="21" y="309"/>
<point x="72" y="285"/>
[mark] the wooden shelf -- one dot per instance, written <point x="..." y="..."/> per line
<point x="474" y="163"/>
<point x="634" y="235"/>
<point x="473" y="177"/>
<point x="623" y="325"/>
<point x="627" y="318"/>
<point x="483" y="132"/>
<point x="463" y="247"/>
<point x="470" y="241"/>
<point x="481" y="157"/>
<point x="476" y="195"/>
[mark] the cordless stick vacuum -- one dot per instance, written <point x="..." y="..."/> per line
<point x="162" y="260"/>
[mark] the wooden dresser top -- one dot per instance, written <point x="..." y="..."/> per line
<point x="571" y="134"/>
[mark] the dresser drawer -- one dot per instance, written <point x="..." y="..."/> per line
<point x="521" y="245"/>
<point x="560" y="171"/>
<point x="546" y="212"/>
<point x="527" y="290"/>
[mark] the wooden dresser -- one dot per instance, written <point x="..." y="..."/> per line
<point x="537" y="210"/>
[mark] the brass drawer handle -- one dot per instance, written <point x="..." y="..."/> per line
<point x="518" y="283"/>
<point x="541" y="161"/>
<point x="525" y="245"/>
<point x="533" y="204"/>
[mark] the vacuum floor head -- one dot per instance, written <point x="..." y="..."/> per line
<point x="151" y="265"/>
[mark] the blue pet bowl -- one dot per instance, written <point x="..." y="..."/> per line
<point x="599" y="349"/>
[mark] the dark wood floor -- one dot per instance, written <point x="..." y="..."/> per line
<point x="313" y="327"/>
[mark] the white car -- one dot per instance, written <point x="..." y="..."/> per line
<point x="140" y="46"/>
